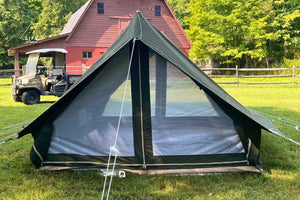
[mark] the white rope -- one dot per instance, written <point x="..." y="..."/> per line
<point x="106" y="174"/>
<point x="19" y="124"/>
<point x="111" y="177"/>
<point x="4" y="140"/>
<point x="279" y="118"/>
<point x="289" y="139"/>
<point x="287" y="122"/>
<point x="17" y="129"/>
<point x="11" y="131"/>
<point x="113" y="148"/>
<point x="284" y="124"/>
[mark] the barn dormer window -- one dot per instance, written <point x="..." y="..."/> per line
<point x="157" y="10"/>
<point x="100" y="8"/>
<point x="87" y="55"/>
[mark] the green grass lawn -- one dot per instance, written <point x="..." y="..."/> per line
<point x="281" y="160"/>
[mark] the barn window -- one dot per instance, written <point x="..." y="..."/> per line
<point x="100" y="8"/>
<point x="157" y="10"/>
<point x="86" y="54"/>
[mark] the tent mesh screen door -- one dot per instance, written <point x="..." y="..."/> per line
<point x="185" y="120"/>
<point x="88" y="126"/>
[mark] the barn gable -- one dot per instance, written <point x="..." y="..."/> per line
<point x="88" y="28"/>
<point x="95" y="26"/>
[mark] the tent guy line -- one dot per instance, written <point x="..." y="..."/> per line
<point x="18" y="124"/>
<point x="10" y="132"/>
<point x="9" y="138"/>
<point x="290" y="121"/>
<point x="281" y="120"/>
<point x="114" y="148"/>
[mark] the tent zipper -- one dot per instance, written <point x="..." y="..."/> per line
<point x="141" y="108"/>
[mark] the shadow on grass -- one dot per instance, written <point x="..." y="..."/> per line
<point x="45" y="102"/>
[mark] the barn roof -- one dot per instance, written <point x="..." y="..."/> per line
<point x="75" y="18"/>
<point x="10" y="50"/>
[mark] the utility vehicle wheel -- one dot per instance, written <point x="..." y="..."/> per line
<point x="17" y="98"/>
<point x="30" y="97"/>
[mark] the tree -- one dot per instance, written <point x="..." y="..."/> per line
<point x="286" y="26"/>
<point x="230" y="31"/>
<point x="21" y="19"/>
<point x="179" y="9"/>
<point x="54" y="16"/>
<point x="14" y="20"/>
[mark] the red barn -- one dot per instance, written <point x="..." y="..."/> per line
<point x="95" y="26"/>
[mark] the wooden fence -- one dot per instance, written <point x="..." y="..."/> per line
<point x="7" y="73"/>
<point x="72" y="70"/>
<point x="236" y="73"/>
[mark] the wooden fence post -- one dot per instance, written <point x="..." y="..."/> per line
<point x="293" y="75"/>
<point x="237" y="74"/>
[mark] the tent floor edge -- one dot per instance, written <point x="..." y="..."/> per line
<point x="196" y="171"/>
<point x="176" y="171"/>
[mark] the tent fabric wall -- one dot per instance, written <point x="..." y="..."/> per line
<point x="239" y="127"/>
<point x="92" y="117"/>
<point x="185" y="121"/>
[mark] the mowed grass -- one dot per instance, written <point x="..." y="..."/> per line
<point x="281" y="160"/>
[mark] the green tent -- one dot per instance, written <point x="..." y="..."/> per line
<point x="172" y="119"/>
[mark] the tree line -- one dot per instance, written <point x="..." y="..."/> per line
<point x="23" y="21"/>
<point x="248" y="33"/>
<point x="229" y="32"/>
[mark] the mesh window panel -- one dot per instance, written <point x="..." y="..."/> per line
<point x="185" y="120"/>
<point x="88" y="125"/>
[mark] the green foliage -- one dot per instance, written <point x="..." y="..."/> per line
<point x="54" y="16"/>
<point x="290" y="63"/>
<point x="286" y="26"/>
<point x="243" y="32"/>
<point x="21" y="19"/>
<point x="180" y="11"/>
<point x="14" y="20"/>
